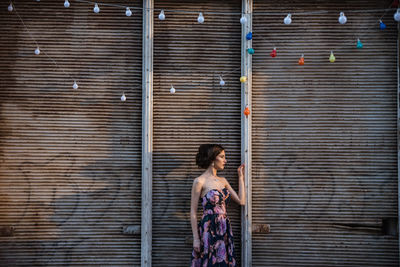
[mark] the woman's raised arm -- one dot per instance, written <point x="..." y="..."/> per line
<point x="241" y="199"/>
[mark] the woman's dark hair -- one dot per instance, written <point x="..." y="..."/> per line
<point x="207" y="154"/>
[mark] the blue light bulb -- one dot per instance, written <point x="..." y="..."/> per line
<point x="249" y="36"/>
<point x="250" y="51"/>
<point x="359" y="44"/>
<point x="382" y="25"/>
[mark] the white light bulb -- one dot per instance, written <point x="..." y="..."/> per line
<point x="128" y="12"/>
<point x="288" y="19"/>
<point x="75" y="86"/>
<point x="96" y="8"/>
<point x="243" y="19"/>
<point x="123" y="97"/>
<point x="66" y="4"/>
<point x="161" y="16"/>
<point x="221" y="82"/>
<point x="10" y="7"/>
<point x="342" y="18"/>
<point x="172" y="90"/>
<point x="200" y="19"/>
<point x="37" y="51"/>
<point x="396" y="15"/>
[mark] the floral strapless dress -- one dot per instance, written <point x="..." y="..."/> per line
<point x="215" y="232"/>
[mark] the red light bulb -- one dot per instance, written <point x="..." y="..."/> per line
<point x="273" y="53"/>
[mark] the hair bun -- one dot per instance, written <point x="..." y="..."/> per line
<point x="207" y="154"/>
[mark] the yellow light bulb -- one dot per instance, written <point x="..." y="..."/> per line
<point x="332" y="57"/>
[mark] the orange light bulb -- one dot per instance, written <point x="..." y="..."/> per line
<point x="246" y="111"/>
<point x="301" y="60"/>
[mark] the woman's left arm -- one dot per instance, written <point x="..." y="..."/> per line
<point x="241" y="199"/>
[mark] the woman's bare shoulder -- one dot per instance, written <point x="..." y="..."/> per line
<point x="199" y="180"/>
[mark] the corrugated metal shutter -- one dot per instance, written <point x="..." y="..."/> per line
<point x="324" y="136"/>
<point x="70" y="159"/>
<point x="189" y="55"/>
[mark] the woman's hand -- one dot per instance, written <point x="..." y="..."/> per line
<point x="240" y="171"/>
<point x="196" y="245"/>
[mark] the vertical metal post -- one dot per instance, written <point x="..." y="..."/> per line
<point x="147" y="132"/>
<point x="246" y="63"/>
<point x="398" y="136"/>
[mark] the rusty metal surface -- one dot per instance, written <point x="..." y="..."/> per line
<point x="324" y="136"/>
<point x="70" y="159"/>
<point x="188" y="55"/>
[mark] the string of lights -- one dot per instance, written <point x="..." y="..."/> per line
<point x="342" y="20"/>
<point x="98" y="4"/>
<point x="11" y="7"/>
<point x="288" y="19"/>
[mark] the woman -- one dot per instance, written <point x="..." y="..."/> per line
<point x="212" y="237"/>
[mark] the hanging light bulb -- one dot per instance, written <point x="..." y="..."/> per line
<point x="301" y="60"/>
<point x="243" y="19"/>
<point x="249" y="36"/>
<point x="66" y="4"/>
<point x="128" y="12"/>
<point x="332" y="57"/>
<point x="342" y="18"/>
<point x="10" y="7"/>
<point x="359" y="44"/>
<point x="37" y="51"/>
<point x="161" y="16"/>
<point x="250" y="51"/>
<point x="96" y="8"/>
<point x="382" y="25"/>
<point x="172" y="90"/>
<point x="200" y="19"/>
<point x="246" y="111"/>
<point x="396" y="15"/>
<point x="123" y="97"/>
<point x="273" y="53"/>
<point x="288" y="19"/>
<point x="75" y="86"/>
<point x="243" y="79"/>
<point x="221" y="81"/>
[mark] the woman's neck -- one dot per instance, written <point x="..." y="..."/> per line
<point x="211" y="171"/>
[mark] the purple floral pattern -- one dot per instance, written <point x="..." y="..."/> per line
<point x="215" y="232"/>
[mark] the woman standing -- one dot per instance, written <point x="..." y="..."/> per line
<point x="212" y="236"/>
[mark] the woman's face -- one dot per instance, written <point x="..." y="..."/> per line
<point x="220" y="161"/>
